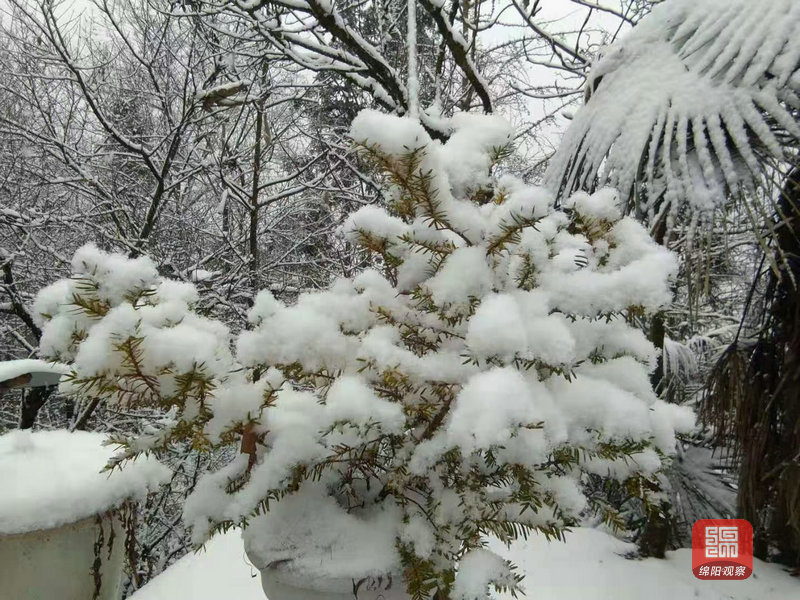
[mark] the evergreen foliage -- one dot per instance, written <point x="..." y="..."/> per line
<point x="465" y="388"/>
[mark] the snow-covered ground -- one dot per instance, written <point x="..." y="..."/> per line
<point x="588" y="567"/>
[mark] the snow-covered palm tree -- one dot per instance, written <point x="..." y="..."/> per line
<point x="698" y="109"/>
<point x="696" y="105"/>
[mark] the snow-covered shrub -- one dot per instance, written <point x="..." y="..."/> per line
<point x="456" y="391"/>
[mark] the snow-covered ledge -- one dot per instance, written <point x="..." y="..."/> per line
<point x="30" y="373"/>
<point x="61" y="531"/>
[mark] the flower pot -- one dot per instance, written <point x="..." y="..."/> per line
<point x="61" y="518"/>
<point x="76" y="561"/>
<point x="307" y="547"/>
<point x="280" y="582"/>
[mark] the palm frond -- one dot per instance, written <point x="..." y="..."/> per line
<point x="696" y="104"/>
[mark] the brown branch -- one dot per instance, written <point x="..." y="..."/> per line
<point x="459" y="52"/>
<point x="557" y="45"/>
<point x="17" y="306"/>
<point x="248" y="446"/>
<point x="83" y="418"/>
<point x="374" y="64"/>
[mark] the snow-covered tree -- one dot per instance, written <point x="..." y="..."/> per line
<point x="461" y="388"/>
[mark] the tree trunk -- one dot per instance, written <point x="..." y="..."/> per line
<point x="655" y="536"/>
<point x="254" y="208"/>
<point x="32" y="402"/>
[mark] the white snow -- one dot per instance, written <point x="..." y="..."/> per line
<point x="54" y="477"/>
<point x="351" y="399"/>
<point x="264" y="306"/>
<point x="497" y="328"/>
<point x="129" y="301"/>
<point x="116" y="275"/>
<point x="490" y="406"/>
<point x="50" y="299"/>
<point x="390" y="134"/>
<point x="476" y="571"/>
<point x="296" y="334"/>
<point x="589" y="566"/>
<point x="632" y="276"/>
<point x="466" y="155"/>
<point x="603" y="204"/>
<point x="465" y="274"/>
<point x="219" y="571"/>
<point x="374" y="220"/>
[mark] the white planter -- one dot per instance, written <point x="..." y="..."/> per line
<point x="283" y="584"/>
<point x="76" y="561"/>
<point x="308" y="547"/>
<point x="61" y="533"/>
